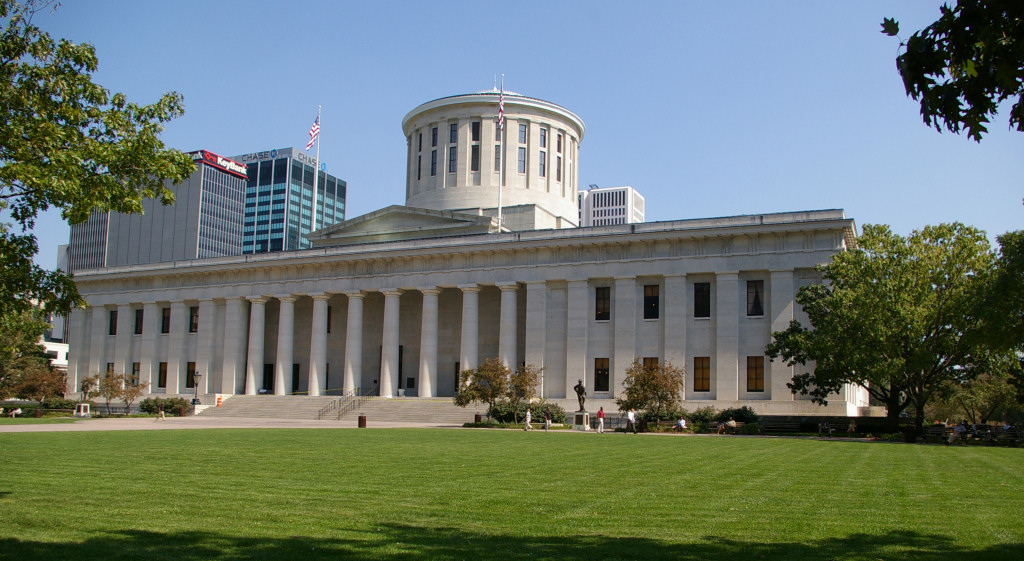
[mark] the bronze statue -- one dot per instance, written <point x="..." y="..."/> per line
<point x="581" y="393"/>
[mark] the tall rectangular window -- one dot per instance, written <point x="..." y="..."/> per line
<point x="603" y="303"/>
<point x="474" y="157"/>
<point x="161" y="376"/>
<point x="755" y="373"/>
<point x="139" y="315"/>
<point x="543" y="138"/>
<point x="522" y="134"/>
<point x="453" y="133"/>
<point x="522" y="161"/>
<point x="651" y="301"/>
<point x="650" y="362"/>
<point x="755" y="298"/>
<point x="190" y="375"/>
<point x="110" y="368"/>
<point x="601" y="377"/>
<point x="558" y="169"/>
<point x="433" y="136"/>
<point x="193" y="319"/>
<point x="701" y="373"/>
<point x="433" y="162"/>
<point x="453" y="152"/>
<point x="702" y="299"/>
<point x="419" y="167"/>
<point x="497" y="157"/>
<point x="112" y="323"/>
<point x="497" y="131"/>
<point x="165" y="320"/>
<point x="542" y="163"/>
<point x="475" y="131"/>
<point x="134" y="379"/>
<point x="419" y="143"/>
<point x="559" y="143"/>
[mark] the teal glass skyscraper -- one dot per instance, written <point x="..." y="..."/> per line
<point x="279" y="200"/>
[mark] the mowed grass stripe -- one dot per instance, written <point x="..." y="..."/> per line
<point x="503" y="494"/>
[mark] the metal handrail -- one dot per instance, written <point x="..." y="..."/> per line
<point x="342" y="405"/>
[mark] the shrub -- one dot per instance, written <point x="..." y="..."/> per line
<point x="740" y="414"/>
<point x="170" y="404"/>
<point x="703" y="415"/>
<point x="501" y="412"/>
<point x="58" y="403"/>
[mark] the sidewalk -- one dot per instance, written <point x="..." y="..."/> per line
<point x="200" y="422"/>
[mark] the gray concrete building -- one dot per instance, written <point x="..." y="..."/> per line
<point x="398" y="301"/>
<point x="601" y="206"/>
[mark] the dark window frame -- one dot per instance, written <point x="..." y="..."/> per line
<point x="112" y="322"/>
<point x="602" y="303"/>
<point x="193" y="319"/>
<point x="755" y="373"/>
<point x="165" y="321"/>
<point x="701" y="373"/>
<point x="755" y="298"/>
<point x="652" y="301"/>
<point x="139" y="317"/>
<point x="702" y="299"/>
<point x="602" y="375"/>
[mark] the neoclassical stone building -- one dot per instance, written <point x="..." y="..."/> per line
<point x="396" y="302"/>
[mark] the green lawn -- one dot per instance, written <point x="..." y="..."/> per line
<point x="484" y="494"/>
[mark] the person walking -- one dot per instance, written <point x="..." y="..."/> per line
<point x="631" y="420"/>
<point x="526" y="424"/>
<point x="547" y="418"/>
<point x="600" y="420"/>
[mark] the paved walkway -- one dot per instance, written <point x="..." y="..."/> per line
<point x="200" y="422"/>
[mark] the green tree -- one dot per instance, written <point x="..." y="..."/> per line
<point x="68" y="143"/>
<point x="131" y="392"/>
<point x="110" y="387"/>
<point x="964" y="65"/>
<point x="897" y="316"/>
<point x="41" y="381"/>
<point x="984" y="395"/>
<point x="1004" y="307"/>
<point x="522" y="387"/>
<point x="90" y="387"/>
<point x="20" y="351"/>
<point x="486" y="383"/>
<point x="653" y="388"/>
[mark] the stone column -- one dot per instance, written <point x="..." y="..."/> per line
<point x="389" y="343"/>
<point x="675" y="322"/>
<point x="428" y="343"/>
<point x="98" y="341"/>
<point x="77" y="336"/>
<point x="254" y="361"/>
<point x="782" y="291"/>
<point x="624" y="314"/>
<point x="123" y="341"/>
<point x="727" y="317"/>
<point x="579" y="314"/>
<point x="536" y="324"/>
<point x="318" y="346"/>
<point x="204" y="344"/>
<point x="507" y="325"/>
<point x="353" y="342"/>
<point x="285" y="343"/>
<point x="176" y="359"/>
<point x="236" y="335"/>
<point x="469" y="349"/>
<point x="150" y="360"/>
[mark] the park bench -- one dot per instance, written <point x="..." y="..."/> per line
<point x="768" y="427"/>
<point x="937" y="433"/>
<point x="999" y="435"/>
<point x="713" y="426"/>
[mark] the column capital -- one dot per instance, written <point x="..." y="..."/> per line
<point x="469" y="287"/>
<point x="357" y="294"/>
<point x="429" y="290"/>
<point x="320" y="296"/>
<point x="256" y="299"/>
<point x="286" y="297"/>
<point x="507" y="286"/>
<point x="391" y="291"/>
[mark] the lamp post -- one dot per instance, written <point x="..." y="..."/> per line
<point x="196" y="377"/>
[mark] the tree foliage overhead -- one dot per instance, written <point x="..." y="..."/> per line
<point x="964" y="65"/>
<point x="897" y="316"/>
<point x="67" y="143"/>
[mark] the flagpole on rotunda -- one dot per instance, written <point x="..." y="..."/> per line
<point x="314" y="136"/>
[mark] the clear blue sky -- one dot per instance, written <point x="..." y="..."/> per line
<point x="707" y="108"/>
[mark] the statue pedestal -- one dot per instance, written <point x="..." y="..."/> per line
<point x="581" y="420"/>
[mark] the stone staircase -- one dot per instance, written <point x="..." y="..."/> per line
<point x="438" y="410"/>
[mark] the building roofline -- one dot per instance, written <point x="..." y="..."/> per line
<point x="491" y="97"/>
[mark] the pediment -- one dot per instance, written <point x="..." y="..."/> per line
<point x="397" y="223"/>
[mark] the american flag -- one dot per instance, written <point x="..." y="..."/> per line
<point x="314" y="131"/>
<point x="501" y="110"/>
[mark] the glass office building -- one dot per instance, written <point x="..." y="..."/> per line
<point x="279" y="200"/>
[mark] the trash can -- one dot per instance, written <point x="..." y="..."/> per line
<point x="478" y="418"/>
<point x="39" y="413"/>
<point x="362" y="421"/>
